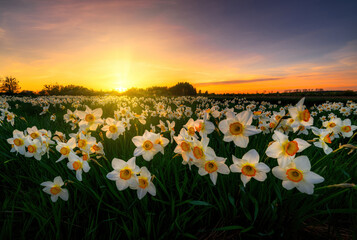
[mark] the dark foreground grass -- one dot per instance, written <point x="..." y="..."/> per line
<point x="186" y="205"/>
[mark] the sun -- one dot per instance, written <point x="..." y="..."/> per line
<point x="121" y="89"/>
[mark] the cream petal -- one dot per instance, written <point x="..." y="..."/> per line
<point x="251" y="130"/>
<point x="302" y="163"/>
<point x="121" y="184"/>
<point x="262" y="167"/>
<point x="288" y="185"/>
<point x="113" y="175"/>
<point x="260" y="176"/>
<point x="118" y="163"/>
<point x="64" y="194"/>
<point x="213" y="176"/>
<point x="223" y="126"/>
<point x="223" y="169"/>
<point x="274" y="150"/>
<point x="241" y="141"/>
<point x="302" y="144"/>
<point x="313" y="178"/>
<point x="245" y="179"/>
<point x="279" y="172"/>
<point x="305" y="187"/>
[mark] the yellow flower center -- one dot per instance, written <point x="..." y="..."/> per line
<point x="332" y="125"/>
<point x="257" y="113"/>
<point x="31" y="148"/>
<point x="236" y="128"/>
<point x="294" y="175"/>
<point x="143" y="182"/>
<point x="18" y="142"/>
<point x="96" y="148"/>
<point x="113" y="129"/>
<point x="185" y="146"/>
<point x="211" y="166"/>
<point x="34" y="135"/>
<point x="55" y="189"/>
<point x="272" y="125"/>
<point x="85" y="157"/>
<point x="89" y="118"/>
<point x="9" y="117"/>
<point x="77" y="165"/>
<point x="263" y="128"/>
<point x="291" y="148"/>
<point x="249" y="170"/>
<point x="344" y="129"/>
<point x="327" y="138"/>
<point x="304" y="115"/>
<point x="278" y="117"/>
<point x="65" y="151"/>
<point x="191" y="131"/>
<point x="82" y="143"/>
<point x="148" y="145"/>
<point x="197" y="152"/>
<point x="125" y="174"/>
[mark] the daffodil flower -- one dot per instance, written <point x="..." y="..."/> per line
<point x="55" y="190"/>
<point x="124" y="173"/>
<point x="283" y="149"/>
<point x="144" y="183"/>
<point x="250" y="167"/>
<point x="297" y="174"/>
<point x="237" y="128"/>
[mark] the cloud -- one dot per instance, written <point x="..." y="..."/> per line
<point x="228" y="82"/>
<point x="2" y="33"/>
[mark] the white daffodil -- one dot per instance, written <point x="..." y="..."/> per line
<point x="124" y="173"/>
<point x="113" y="128"/>
<point x="66" y="148"/>
<point x="146" y="146"/>
<point x="85" y="142"/>
<point x="213" y="166"/>
<point x="17" y="142"/>
<point x="184" y="142"/>
<point x="33" y="132"/>
<point x="144" y="183"/>
<point x="200" y="151"/>
<point x="34" y="148"/>
<point x="346" y="128"/>
<point x="190" y="126"/>
<point x="55" y="190"/>
<point x="323" y="139"/>
<point x="203" y="126"/>
<point x="250" y="167"/>
<point x="76" y="163"/>
<point x="90" y="118"/>
<point x="297" y="174"/>
<point x="300" y="115"/>
<point x="283" y="149"/>
<point x="333" y="126"/>
<point x="237" y="128"/>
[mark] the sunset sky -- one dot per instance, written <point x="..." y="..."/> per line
<point x="219" y="46"/>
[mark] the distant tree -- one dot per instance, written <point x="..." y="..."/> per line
<point x="10" y="85"/>
<point x="183" y="89"/>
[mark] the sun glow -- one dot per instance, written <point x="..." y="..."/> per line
<point x="121" y="89"/>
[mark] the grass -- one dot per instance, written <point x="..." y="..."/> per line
<point x="187" y="205"/>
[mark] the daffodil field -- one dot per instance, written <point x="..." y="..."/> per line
<point x="176" y="168"/>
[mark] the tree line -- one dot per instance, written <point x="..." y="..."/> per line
<point x="10" y="86"/>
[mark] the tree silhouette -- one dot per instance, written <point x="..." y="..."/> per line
<point x="10" y="85"/>
<point x="183" y="89"/>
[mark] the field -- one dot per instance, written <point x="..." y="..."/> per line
<point x="204" y="168"/>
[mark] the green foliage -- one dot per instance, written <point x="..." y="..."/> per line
<point x="187" y="206"/>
